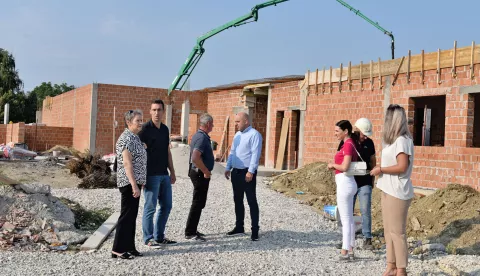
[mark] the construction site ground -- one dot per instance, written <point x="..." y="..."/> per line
<point x="449" y="216"/>
<point x="294" y="239"/>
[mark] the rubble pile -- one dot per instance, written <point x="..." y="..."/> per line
<point x="94" y="171"/>
<point x="32" y="219"/>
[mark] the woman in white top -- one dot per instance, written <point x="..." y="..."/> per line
<point x="394" y="180"/>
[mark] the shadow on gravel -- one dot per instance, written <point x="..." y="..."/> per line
<point x="269" y="241"/>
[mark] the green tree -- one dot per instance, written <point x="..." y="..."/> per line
<point x="47" y="89"/>
<point x="17" y="106"/>
<point x="9" y="79"/>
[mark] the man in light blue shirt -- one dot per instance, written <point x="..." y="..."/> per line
<point x="242" y="166"/>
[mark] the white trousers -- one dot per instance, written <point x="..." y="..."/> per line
<point x="346" y="189"/>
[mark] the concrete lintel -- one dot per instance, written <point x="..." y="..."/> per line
<point x="470" y="89"/>
<point x="294" y="107"/>
<point x="93" y="117"/>
<point x="301" y="138"/>
<point x="99" y="236"/>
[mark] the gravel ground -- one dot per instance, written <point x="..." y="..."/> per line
<point x="294" y="240"/>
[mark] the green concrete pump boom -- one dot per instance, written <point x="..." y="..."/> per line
<point x="375" y="24"/>
<point x="198" y="50"/>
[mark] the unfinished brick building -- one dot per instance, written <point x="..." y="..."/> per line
<point x="439" y="91"/>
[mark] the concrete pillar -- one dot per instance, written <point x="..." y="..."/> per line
<point x="6" y="113"/>
<point x="301" y="138"/>
<point x="268" y="163"/>
<point x="168" y="117"/>
<point x="184" y="120"/>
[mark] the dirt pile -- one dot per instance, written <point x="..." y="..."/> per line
<point x="313" y="183"/>
<point x="449" y="216"/>
<point x="94" y="171"/>
<point x="32" y="219"/>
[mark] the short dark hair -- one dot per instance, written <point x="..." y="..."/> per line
<point x="158" y="101"/>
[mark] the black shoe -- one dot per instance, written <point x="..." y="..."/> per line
<point x="338" y="246"/>
<point x="236" y="231"/>
<point x="165" y="241"/>
<point x="254" y="236"/>
<point x="135" y="253"/>
<point x="195" y="238"/>
<point x="367" y="244"/>
<point x="200" y="234"/>
<point x="125" y="255"/>
<point x="152" y="243"/>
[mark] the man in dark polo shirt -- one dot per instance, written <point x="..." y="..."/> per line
<point x="155" y="135"/>
<point x="200" y="168"/>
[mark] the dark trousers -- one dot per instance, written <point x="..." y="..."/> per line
<point x="200" y="190"/>
<point x="240" y="187"/>
<point x="125" y="233"/>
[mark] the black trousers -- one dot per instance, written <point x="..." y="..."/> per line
<point x="200" y="191"/>
<point x="125" y="233"/>
<point x="241" y="187"/>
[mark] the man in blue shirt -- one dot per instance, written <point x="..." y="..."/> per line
<point x="242" y="166"/>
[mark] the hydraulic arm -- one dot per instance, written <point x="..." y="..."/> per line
<point x="198" y="50"/>
<point x="375" y="24"/>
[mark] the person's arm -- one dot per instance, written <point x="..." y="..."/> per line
<point x="347" y="159"/>
<point x="173" y="177"/>
<point x="197" y="160"/>
<point x="403" y="150"/>
<point x="256" y="152"/>
<point x="229" y="159"/>
<point x="128" y="165"/>
<point x="373" y="163"/>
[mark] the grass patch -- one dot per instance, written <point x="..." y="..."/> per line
<point x="88" y="220"/>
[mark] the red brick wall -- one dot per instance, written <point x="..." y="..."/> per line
<point x="125" y="98"/>
<point x="42" y="138"/>
<point x="259" y="121"/>
<point x="15" y="133"/>
<point x="433" y="166"/>
<point x="3" y="134"/>
<point x="193" y="124"/>
<point x="220" y="105"/>
<point x="71" y="109"/>
<point x="283" y="96"/>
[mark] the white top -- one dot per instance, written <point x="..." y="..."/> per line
<point x="399" y="186"/>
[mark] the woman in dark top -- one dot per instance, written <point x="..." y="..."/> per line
<point x="131" y="176"/>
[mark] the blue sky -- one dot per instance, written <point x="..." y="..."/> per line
<point x="144" y="43"/>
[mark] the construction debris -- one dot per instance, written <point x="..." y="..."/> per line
<point x="93" y="170"/>
<point x="32" y="219"/>
<point x="448" y="217"/>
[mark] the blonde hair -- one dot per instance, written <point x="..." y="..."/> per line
<point x="396" y="124"/>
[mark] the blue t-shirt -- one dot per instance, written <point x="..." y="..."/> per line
<point x="201" y="142"/>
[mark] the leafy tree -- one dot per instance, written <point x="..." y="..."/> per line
<point x="17" y="106"/>
<point x="47" y="89"/>
<point x="9" y="79"/>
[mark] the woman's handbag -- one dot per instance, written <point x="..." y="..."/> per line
<point x="357" y="168"/>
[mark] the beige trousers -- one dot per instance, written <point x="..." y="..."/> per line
<point x="394" y="213"/>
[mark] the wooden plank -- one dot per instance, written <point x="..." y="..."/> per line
<point x="224" y="135"/>
<point x="398" y="71"/>
<point x="349" y="78"/>
<point x="316" y="81"/>
<point x="330" y="81"/>
<point x="323" y="80"/>
<point x="454" y="57"/>
<point x="340" y="80"/>
<point x="422" y="72"/>
<point x="438" y="67"/>
<point x="99" y="236"/>
<point x="408" y="65"/>
<point x="283" y="144"/>
<point x="361" y="75"/>
<point x="472" y="60"/>
<point x="371" y="75"/>
<point x="379" y="65"/>
<point x="464" y="57"/>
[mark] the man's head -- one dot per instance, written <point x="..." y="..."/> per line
<point x="206" y="122"/>
<point x="242" y="121"/>
<point x="364" y="126"/>
<point x="156" y="111"/>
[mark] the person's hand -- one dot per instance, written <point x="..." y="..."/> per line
<point x="376" y="171"/>
<point x="173" y="178"/>
<point x="207" y="175"/>
<point x="136" y="191"/>
<point x="330" y="166"/>
<point x="227" y="174"/>
<point x="249" y="176"/>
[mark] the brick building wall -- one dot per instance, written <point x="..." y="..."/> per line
<point x="15" y="133"/>
<point x="72" y="110"/>
<point x="42" y="138"/>
<point x="125" y="98"/>
<point x="3" y="134"/>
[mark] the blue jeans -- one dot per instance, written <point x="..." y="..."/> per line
<point x="157" y="187"/>
<point x="364" y="194"/>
